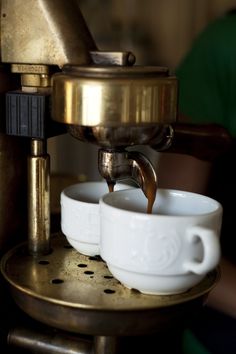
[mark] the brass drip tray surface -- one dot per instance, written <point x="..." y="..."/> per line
<point x="74" y="292"/>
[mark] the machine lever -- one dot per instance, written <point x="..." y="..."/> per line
<point x="203" y="141"/>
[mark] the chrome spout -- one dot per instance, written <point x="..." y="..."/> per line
<point x="143" y="172"/>
<point x="117" y="165"/>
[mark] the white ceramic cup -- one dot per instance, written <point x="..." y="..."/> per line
<point x="166" y="252"/>
<point x="80" y="216"/>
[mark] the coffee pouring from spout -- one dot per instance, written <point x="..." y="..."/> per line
<point x="117" y="165"/>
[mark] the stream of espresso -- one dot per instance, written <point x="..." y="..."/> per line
<point x="111" y="186"/>
<point x="150" y="194"/>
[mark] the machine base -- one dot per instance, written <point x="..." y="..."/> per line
<point x="76" y="293"/>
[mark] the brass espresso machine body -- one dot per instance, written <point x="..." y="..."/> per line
<point x="54" y="79"/>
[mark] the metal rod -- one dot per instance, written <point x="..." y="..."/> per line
<point x="105" y="345"/>
<point x="49" y="342"/>
<point x="38" y="199"/>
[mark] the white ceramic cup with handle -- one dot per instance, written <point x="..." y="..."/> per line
<point x="80" y="214"/>
<point x="166" y="252"/>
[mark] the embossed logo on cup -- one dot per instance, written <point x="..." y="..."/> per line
<point x="166" y="249"/>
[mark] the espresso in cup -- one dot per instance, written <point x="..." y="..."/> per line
<point x="166" y="252"/>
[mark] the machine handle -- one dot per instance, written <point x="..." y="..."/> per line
<point x="204" y="141"/>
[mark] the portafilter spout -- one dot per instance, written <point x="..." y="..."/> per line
<point x="116" y="165"/>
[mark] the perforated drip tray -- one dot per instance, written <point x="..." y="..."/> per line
<point x="77" y="293"/>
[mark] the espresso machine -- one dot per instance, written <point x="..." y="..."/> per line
<point x="53" y="80"/>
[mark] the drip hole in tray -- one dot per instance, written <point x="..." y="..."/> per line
<point x="43" y="262"/>
<point x="82" y="265"/>
<point x="57" y="281"/>
<point x="88" y="272"/>
<point x="95" y="258"/>
<point x="109" y="291"/>
<point x="108" y="277"/>
<point x="67" y="246"/>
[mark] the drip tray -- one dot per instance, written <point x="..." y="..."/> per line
<point x="76" y="293"/>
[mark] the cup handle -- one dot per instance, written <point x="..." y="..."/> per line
<point x="211" y="250"/>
